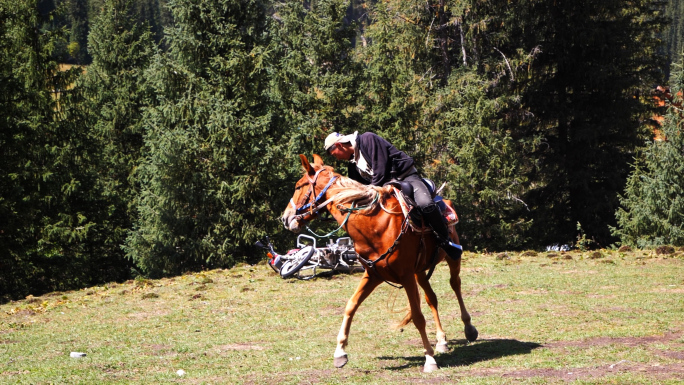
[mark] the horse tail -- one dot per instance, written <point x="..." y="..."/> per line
<point x="407" y="320"/>
<point x="390" y="306"/>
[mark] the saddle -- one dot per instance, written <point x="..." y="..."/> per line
<point x="403" y="191"/>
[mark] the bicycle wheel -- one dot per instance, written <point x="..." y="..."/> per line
<point x="296" y="261"/>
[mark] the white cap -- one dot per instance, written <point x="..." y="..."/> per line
<point x="335" y="137"/>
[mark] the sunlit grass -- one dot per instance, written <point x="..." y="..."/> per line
<point x="618" y="318"/>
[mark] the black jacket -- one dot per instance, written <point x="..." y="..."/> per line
<point x="381" y="156"/>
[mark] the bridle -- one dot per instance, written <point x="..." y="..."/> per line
<point x="313" y="207"/>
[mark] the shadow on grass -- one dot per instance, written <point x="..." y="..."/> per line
<point x="463" y="354"/>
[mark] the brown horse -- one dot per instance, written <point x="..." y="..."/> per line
<point x="389" y="249"/>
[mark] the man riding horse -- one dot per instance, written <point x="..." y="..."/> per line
<point x="376" y="161"/>
<point x="390" y="250"/>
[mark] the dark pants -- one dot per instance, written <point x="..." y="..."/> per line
<point x="432" y="215"/>
<point x="421" y="194"/>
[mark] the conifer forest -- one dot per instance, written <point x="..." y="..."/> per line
<point x="156" y="137"/>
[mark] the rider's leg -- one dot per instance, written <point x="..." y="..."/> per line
<point x="433" y="216"/>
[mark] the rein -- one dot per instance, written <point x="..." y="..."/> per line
<point x="344" y="222"/>
<point x="342" y="209"/>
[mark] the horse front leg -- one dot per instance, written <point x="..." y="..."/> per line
<point x="419" y="320"/>
<point x="431" y="299"/>
<point x="455" y="282"/>
<point x="366" y="286"/>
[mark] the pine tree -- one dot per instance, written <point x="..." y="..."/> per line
<point x="44" y="183"/>
<point x="474" y="151"/>
<point x="114" y="94"/>
<point x="428" y="89"/>
<point x="213" y="175"/>
<point x="552" y="92"/>
<point x="316" y="80"/>
<point x="79" y="28"/>
<point x="586" y="91"/>
<point x="652" y="211"/>
<point x="673" y="33"/>
<point x="398" y="73"/>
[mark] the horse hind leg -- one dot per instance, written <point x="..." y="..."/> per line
<point x="455" y="281"/>
<point x="366" y="286"/>
<point x="431" y="299"/>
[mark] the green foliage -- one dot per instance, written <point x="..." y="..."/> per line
<point x="583" y="90"/>
<point x="431" y="95"/>
<point x="50" y="236"/>
<point x="479" y="158"/>
<point x="652" y="212"/>
<point x="28" y="126"/>
<point x="115" y="94"/>
<point x="583" y="243"/>
<point x="179" y="158"/>
<point x="673" y="34"/>
<point x="77" y="11"/>
<point x="398" y="76"/>
<point x="111" y="96"/>
<point x="315" y="79"/>
<point x="212" y="178"/>
<point x="80" y="16"/>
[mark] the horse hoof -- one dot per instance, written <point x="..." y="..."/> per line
<point x="471" y="333"/>
<point x="429" y="368"/>
<point x="442" y="348"/>
<point x="340" y="361"/>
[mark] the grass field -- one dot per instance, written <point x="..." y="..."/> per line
<point x="591" y="318"/>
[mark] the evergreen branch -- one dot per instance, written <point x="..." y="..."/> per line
<point x="427" y="38"/>
<point x="406" y="20"/>
<point x="515" y="198"/>
<point x="460" y="30"/>
<point x="507" y="63"/>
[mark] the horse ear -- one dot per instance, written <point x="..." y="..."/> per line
<point x="307" y="166"/>
<point x="318" y="161"/>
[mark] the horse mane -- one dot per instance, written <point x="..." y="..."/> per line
<point x="353" y="191"/>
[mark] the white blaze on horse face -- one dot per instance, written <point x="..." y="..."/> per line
<point x="289" y="220"/>
<point x="289" y="217"/>
<point x="286" y="220"/>
<point x="295" y="226"/>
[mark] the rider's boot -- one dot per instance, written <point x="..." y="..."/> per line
<point x="433" y="217"/>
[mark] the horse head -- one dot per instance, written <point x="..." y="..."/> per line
<point x="309" y="192"/>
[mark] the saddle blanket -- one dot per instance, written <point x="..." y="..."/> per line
<point x="448" y="213"/>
